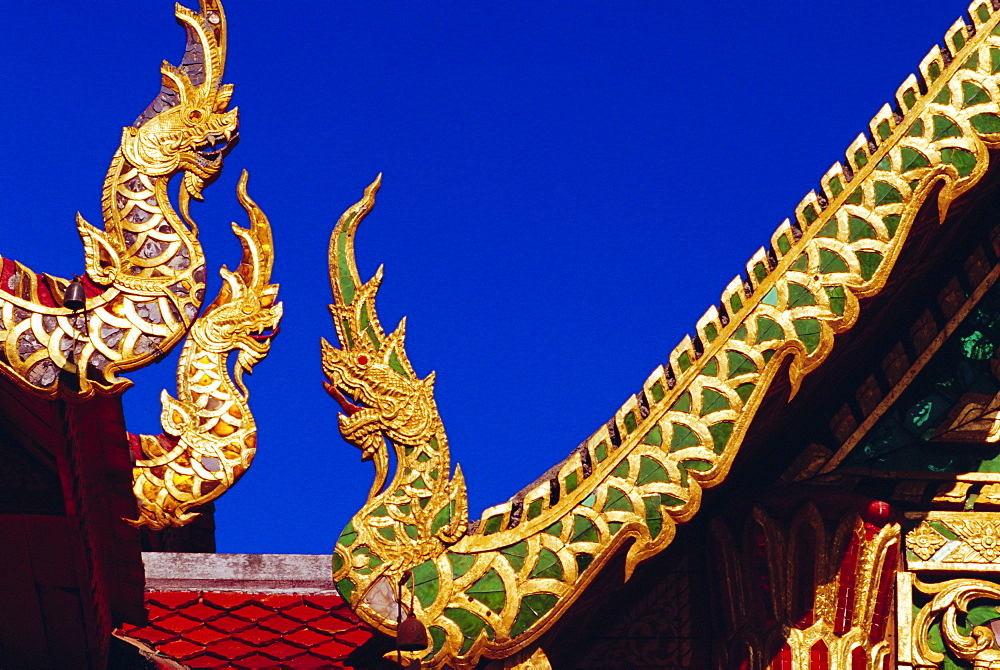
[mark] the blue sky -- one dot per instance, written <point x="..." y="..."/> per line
<point x="567" y="188"/>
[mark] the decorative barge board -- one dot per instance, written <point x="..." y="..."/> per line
<point x="900" y="233"/>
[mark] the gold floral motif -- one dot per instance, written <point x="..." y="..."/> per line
<point x="924" y="541"/>
<point x="982" y="534"/>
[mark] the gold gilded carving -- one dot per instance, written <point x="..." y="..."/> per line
<point x="145" y="270"/>
<point x="956" y="541"/>
<point x="952" y="599"/>
<point x="924" y="541"/>
<point x="491" y="588"/>
<point x="209" y="435"/>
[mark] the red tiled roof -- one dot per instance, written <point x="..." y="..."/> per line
<point x="246" y="630"/>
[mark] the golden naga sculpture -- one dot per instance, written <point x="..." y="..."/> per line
<point x="145" y="271"/>
<point x="490" y="588"/>
<point x="209" y="435"/>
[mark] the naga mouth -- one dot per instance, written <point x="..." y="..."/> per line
<point x="346" y="405"/>
<point x="266" y="334"/>
<point x="216" y="146"/>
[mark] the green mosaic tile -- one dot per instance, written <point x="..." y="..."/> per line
<point x="934" y="70"/>
<point x="584" y="530"/>
<point x="838" y="299"/>
<point x="684" y="361"/>
<point x="972" y="63"/>
<point x="396" y="365"/>
<point x="601" y="452"/>
<point x="720" y="435"/>
<point x="744" y="391"/>
<point x="346" y="588"/>
<point x="442" y="518"/>
<point x="683" y="437"/>
<point x="883" y="130"/>
<point x="740" y="333"/>
<point x="471" y="625"/>
<point x="799" y="295"/>
<point x="808" y="331"/>
<point x="783" y="244"/>
<point x="994" y="59"/>
<point x="410" y="530"/>
<point x="986" y="123"/>
<point x="711" y="332"/>
<point x="631" y="423"/>
<point x="438" y="636"/>
<point x="860" y="158"/>
<point x="885" y="164"/>
<point x="683" y="403"/>
<point x="425" y="581"/>
<point x="651" y="471"/>
<point x="909" y="98"/>
<point x="419" y="483"/>
<point x="535" y="508"/>
<point x="583" y="561"/>
<point x="617" y="500"/>
<point x="945" y="127"/>
<point x="349" y="535"/>
<point x="380" y="511"/>
<point x="831" y="262"/>
<point x="912" y="159"/>
<point x="338" y="562"/>
<point x="735" y="302"/>
<point x="515" y="554"/>
<point x="859" y="229"/>
<point x="533" y="607"/>
<point x="460" y="563"/>
<point x="886" y="194"/>
<point x="711" y="368"/>
<point x="768" y="329"/>
<point x="829" y="229"/>
<point x="548" y="566"/>
<point x="944" y="97"/>
<point x="654" y="520"/>
<point x="489" y="590"/>
<point x="869" y="261"/>
<point x="801" y="264"/>
<point x="809" y="213"/>
<point x="589" y="501"/>
<point x="917" y="129"/>
<point x="964" y="161"/>
<point x="492" y="524"/>
<point x="958" y="40"/>
<point x="555" y="529"/>
<point x="615" y="526"/>
<point x="983" y="14"/>
<point x="973" y="95"/>
<point x="657" y="391"/>
<point x="621" y="470"/>
<point x="771" y="297"/>
<point x="387" y="532"/>
<point x="712" y="401"/>
<point x="571" y="482"/>
<point x="856" y="198"/>
<point x="653" y="437"/>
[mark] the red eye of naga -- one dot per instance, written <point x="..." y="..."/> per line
<point x="362" y="360"/>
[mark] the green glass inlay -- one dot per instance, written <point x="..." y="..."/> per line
<point x="654" y="520"/>
<point x="943" y="529"/>
<point x="347" y="287"/>
<point x="555" y="529"/>
<point x="434" y="474"/>
<point x="973" y="95"/>
<point x="838" y="299"/>
<point x="712" y="401"/>
<point x="856" y="198"/>
<point x="829" y="229"/>
<point x="917" y="129"/>
<point x="994" y="59"/>
<point x="442" y="518"/>
<point x="338" y="562"/>
<point x="346" y="588"/>
<point x="964" y="161"/>
<point x="617" y="500"/>
<point x="548" y="566"/>
<point x="651" y="471"/>
<point x="711" y="332"/>
<point x="584" y="530"/>
<point x="860" y="158"/>
<point x="630" y="422"/>
<point x="739" y="363"/>
<point x="533" y="607"/>
<point x="771" y="297"/>
<point x="396" y="365"/>
<point x="460" y="563"/>
<point x="380" y="511"/>
<point x="869" y="261"/>
<point x="711" y="368"/>
<point x="583" y="561"/>
<point x="808" y="331"/>
<point x="366" y="326"/>
<point x="913" y="185"/>
<point x="535" y="508"/>
<point x="657" y="391"/>
<point x="621" y="470"/>
<point x="683" y="437"/>
<point x="423" y="457"/>
<point x="419" y="483"/>
<point x="615" y="526"/>
<point x="934" y="70"/>
<point x="913" y="159"/>
<point x="767" y="354"/>
<point x="830" y="262"/>
<point x="885" y="164"/>
<point x="589" y="500"/>
<point x="423" y="502"/>
<point x="653" y="437"/>
<point x="683" y="403"/>
<point x="886" y="194"/>
<point x="425" y="583"/>
<point x="768" y="329"/>
<point x="744" y="391"/>
<point x="492" y="524"/>
<point x="986" y="123"/>
<point x="349" y="535"/>
<point x="883" y="130"/>
<point x="944" y="97"/>
<point x="735" y="302"/>
<point x="983" y="13"/>
<point x="909" y="98"/>
<point x="433" y="443"/>
<point x="972" y="63"/>
<point x="438" y="636"/>
<point x="489" y="590"/>
<point x="783" y="244"/>
<point x="945" y="127"/>
<point x="470" y="624"/>
<point x="387" y="532"/>
<point x="601" y="452"/>
<point x="801" y="264"/>
<point x="720" y="435"/>
<point x="891" y="224"/>
<point x="411" y="530"/>
<point x="571" y="482"/>
<point x="740" y="333"/>
<point x="684" y="361"/>
<point x="799" y="295"/>
<point x="700" y="466"/>
<point x="958" y="40"/>
<point x="809" y="212"/>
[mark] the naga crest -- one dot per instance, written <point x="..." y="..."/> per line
<point x="371" y="368"/>
<point x="188" y="128"/>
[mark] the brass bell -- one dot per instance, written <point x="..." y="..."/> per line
<point x="411" y="636"/>
<point x="75" y="299"/>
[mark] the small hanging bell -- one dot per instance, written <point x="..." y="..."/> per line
<point x="75" y="299"/>
<point x="411" y="636"/>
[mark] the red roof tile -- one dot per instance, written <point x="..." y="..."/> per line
<point x="246" y="630"/>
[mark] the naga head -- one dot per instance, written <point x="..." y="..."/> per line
<point x="245" y="316"/>
<point x="189" y="127"/>
<point x="370" y="375"/>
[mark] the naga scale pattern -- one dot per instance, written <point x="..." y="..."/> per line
<point x="492" y="588"/>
